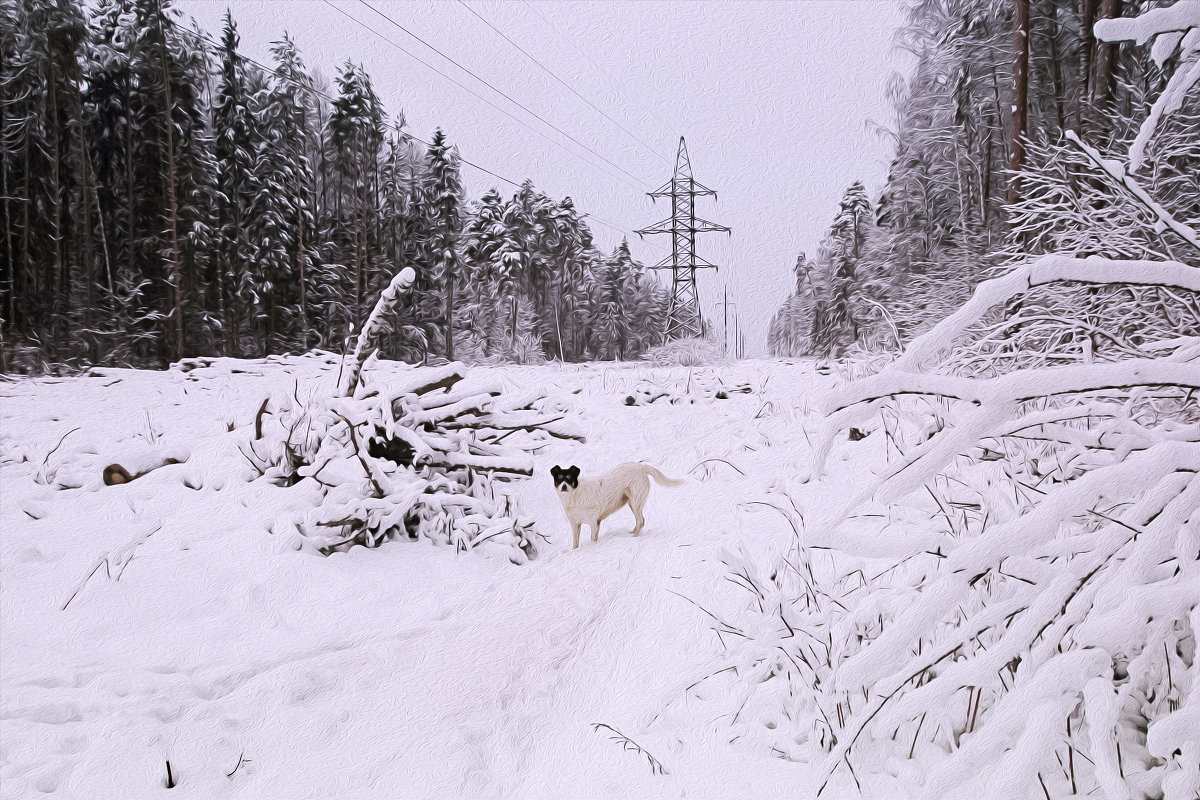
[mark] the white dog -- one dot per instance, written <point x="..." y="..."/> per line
<point x="592" y="500"/>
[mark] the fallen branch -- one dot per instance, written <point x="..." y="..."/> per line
<point x="656" y="766"/>
<point x="1041" y="271"/>
<point x="1116" y="170"/>
<point x="258" y="418"/>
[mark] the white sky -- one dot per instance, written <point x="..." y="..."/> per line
<point x="775" y="99"/>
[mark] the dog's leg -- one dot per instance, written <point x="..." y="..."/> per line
<point x="574" y="535"/>
<point x="595" y="530"/>
<point x="639" y="520"/>
<point x="637" y="501"/>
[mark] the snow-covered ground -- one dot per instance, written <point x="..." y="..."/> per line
<point x="193" y="634"/>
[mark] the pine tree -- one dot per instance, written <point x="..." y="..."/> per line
<point x="515" y="254"/>
<point x="567" y="255"/>
<point x="789" y="333"/>
<point x="158" y="199"/>
<point x="45" y="164"/>
<point x="609" y="328"/>
<point x="483" y="235"/>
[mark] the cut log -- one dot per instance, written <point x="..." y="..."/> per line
<point x="513" y="465"/>
<point x="432" y="379"/>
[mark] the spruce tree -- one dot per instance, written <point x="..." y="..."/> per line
<point x="441" y="191"/>
<point x="283" y="210"/>
<point x="835" y="322"/>
<point x="355" y="140"/>
<point x="236" y="282"/>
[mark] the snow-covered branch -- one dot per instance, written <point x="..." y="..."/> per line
<point x="1116" y="170"/>
<point x="365" y="345"/>
<point x="1175" y="30"/>
<point x="1047" y="269"/>
<point x="1177" y="18"/>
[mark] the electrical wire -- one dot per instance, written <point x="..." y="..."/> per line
<point x="309" y="88"/>
<point x="639" y="182"/>
<point x="570" y="88"/>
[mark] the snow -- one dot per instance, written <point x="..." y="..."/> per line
<point x="1039" y="271"/>
<point x="729" y="651"/>
<point x="401" y="282"/>
<point x="1174" y="29"/>
<point x="193" y="633"/>
<point x="1168" y="102"/>
<point x="1143" y="28"/>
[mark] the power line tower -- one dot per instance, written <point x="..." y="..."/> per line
<point x="683" y="316"/>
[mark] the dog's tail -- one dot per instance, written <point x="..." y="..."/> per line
<point x="662" y="479"/>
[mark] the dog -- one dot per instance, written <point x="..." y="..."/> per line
<point x="589" y="501"/>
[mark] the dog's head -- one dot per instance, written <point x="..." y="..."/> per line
<point x="566" y="479"/>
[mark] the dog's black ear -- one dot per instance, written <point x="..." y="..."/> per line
<point x="556" y="471"/>
<point x="573" y="470"/>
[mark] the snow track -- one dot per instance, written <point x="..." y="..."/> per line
<point x="409" y="671"/>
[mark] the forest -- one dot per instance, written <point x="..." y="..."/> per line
<point x="1000" y="135"/>
<point x="165" y="196"/>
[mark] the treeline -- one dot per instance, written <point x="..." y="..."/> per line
<point x="985" y="172"/>
<point x="162" y="196"/>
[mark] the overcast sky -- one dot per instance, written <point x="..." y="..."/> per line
<point x="777" y="101"/>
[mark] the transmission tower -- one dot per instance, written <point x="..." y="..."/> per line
<point x="683" y="317"/>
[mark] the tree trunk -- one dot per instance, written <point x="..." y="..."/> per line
<point x="301" y="269"/>
<point x="513" y="336"/>
<point x="562" y="353"/>
<point x="1087" y="42"/>
<point x="1020" y="96"/>
<point x="1104" y="68"/>
<point x="59" y="282"/>
<point x="130" y="201"/>
<point x="30" y="303"/>
<point x="448" y="272"/>
<point x="174" y="272"/>
<point x="6" y="191"/>
<point x="87" y="247"/>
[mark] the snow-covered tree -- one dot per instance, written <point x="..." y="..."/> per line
<point x="240" y="284"/>
<point x="441" y="192"/>
<point x="160" y="193"/>
<point x="355" y="138"/>
<point x="1034" y="629"/>
<point x="284" y="210"/>
<point x="838" y="282"/>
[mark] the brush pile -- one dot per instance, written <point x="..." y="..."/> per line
<point x="418" y="454"/>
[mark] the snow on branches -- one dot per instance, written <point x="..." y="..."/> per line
<point x="413" y="458"/>
<point x="373" y="328"/>
<point x="1043" y="271"/>
<point x="1013" y="601"/>
<point x="1175" y="31"/>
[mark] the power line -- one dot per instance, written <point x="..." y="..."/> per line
<point x="668" y="126"/>
<point x="331" y="99"/>
<point x="477" y="96"/>
<point x="500" y="92"/>
<point x="570" y="88"/>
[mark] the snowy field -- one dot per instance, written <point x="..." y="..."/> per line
<point x="169" y="620"/>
